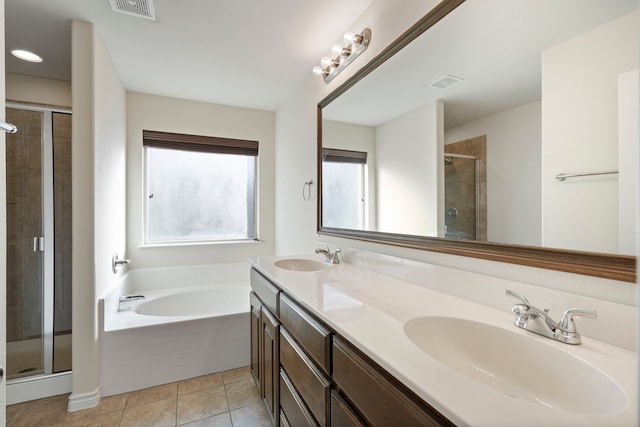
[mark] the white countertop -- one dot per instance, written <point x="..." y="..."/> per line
<point x="370" y="309"/>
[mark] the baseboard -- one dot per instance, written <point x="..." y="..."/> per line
<point x="79" y="401"/>
<point x="26" y="389"/>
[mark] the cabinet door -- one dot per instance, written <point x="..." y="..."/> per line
<point x="254" y="317"/>
<point x="270" y="362"/>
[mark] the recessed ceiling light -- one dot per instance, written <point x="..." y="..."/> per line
<point x="25" y="55"/>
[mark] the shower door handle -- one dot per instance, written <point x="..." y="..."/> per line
<point x="38" y="244"/>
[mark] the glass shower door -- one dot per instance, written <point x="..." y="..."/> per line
<point x="38" y="242"/>
<point x="25" y="246"/>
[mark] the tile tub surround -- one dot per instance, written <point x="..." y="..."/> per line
<point x="370" y="310"/>
<point x="144" y="351"/>
<point x="224" y="399"/>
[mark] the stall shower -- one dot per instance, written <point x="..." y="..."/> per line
<point x="465" y="189"/>
<point x="38" y="242"/>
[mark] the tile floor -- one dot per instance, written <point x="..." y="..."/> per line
<point x="224" y="399"/>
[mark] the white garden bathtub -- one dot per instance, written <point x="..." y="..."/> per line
<point x="175" y="332"/>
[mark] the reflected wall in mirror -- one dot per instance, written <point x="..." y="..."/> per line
<point x="547" y="87"/>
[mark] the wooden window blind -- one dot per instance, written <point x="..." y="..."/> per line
<point x="204" y="144"/>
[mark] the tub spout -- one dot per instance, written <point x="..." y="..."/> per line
<point x="126" y="300"/>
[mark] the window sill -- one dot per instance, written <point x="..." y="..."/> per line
<point x="209" y="243"/>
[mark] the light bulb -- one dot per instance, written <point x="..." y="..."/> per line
<point x="325" y="61"/>
<point x="349" y="37"/>
<point x="337" y="49"/>
<point x="317" y="70"/>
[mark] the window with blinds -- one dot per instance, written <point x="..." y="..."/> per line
<point x="344" y="188"/>
<point x="199" y="188"/>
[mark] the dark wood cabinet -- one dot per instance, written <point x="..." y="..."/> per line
<point x="255" y="328"/>
<point x="310" y="376"/>
<point x="312" y="336"/>
<point x="342" y="415"/>
<point x="310" y="382"/>
<point x="270" y="361"/>
<point x="293" y="409"/>
<point x="380" y="398"/>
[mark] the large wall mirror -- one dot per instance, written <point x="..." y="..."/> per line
<point x="504" y="130"/>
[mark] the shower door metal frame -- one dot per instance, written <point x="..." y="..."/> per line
<point x="48" y="308"/>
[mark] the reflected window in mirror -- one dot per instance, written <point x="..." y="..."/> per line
<point x="344" y="188"/>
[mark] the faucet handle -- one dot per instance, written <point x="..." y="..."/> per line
<point x="567" y="324"/>
<point x="521" y="297"/>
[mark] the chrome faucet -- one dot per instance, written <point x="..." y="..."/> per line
<point x="330" y="257"/>
<point x="539" y="322"/>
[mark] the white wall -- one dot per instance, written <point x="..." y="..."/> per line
<point x="296" y="122"/>
<point x="514" y="162"/>
<point x="408" y="168"/>
<point x="38" y="90"/>
<point x="98" y="202"/>
<point x="175" y="115"/>
<point x="580" y="135"/>
<point x="349" y="136"/>
<point x="628" y="154"/>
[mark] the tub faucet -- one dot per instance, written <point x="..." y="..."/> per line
<point x="128" y="299"/>
<point x="539" y="322"/>
<point x="330" y="257"/>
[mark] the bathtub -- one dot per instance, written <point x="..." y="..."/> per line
<point x="175" y="332"/>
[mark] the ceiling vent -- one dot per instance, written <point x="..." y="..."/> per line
<point x="139" y="8"/>
<point x="445" y="82"/>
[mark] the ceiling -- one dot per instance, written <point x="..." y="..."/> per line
<point x="245" y="53"/>
<point x="495" y="46"/>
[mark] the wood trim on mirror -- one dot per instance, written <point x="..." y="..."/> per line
<point x="608" y="266"/>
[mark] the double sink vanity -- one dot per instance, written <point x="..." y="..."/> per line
<point x="344" y="345"/>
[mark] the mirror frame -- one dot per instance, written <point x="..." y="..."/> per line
<point x="608" y="266"/>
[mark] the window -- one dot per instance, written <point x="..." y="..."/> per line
<point x="199" y="188"/>
<point x="343" y="188"/>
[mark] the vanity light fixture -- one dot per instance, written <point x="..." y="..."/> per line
<point x="343" y="55"/>
<point x="25" y="55"/>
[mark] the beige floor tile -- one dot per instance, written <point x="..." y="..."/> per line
<point x="221" y="420"/>
<point x="236" y="375"/>
<point x="110" y="419"/>
<point x="199" y="383"/>
<point x="251" y="416"/>
<point x="48" y="412"/>
<point x="201" y="404"/>
<point x="242" y="393"/>
<point x="161" y="392"/>
<point x="161" y="413"/>
<point x="12" y="410"/>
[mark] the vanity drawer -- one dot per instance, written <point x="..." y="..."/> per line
<point x="313" y="337"/>
<point x="267" y="293"/>
<point x="342" y="415"/>
<point x="383" y="400"/>
<point x="307" y="379"/>
<point x="293" y="411"/>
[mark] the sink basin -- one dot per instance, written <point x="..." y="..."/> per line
<point x="301" y="264"/>
<point x="517" y="365"/>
